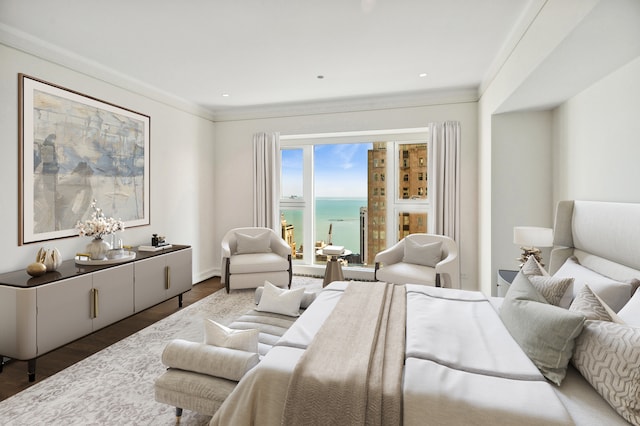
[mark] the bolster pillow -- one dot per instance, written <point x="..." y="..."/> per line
<point x="227" y="363"/>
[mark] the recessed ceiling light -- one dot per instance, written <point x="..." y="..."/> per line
<point x="225" y="95"/>
<point x="423" y="74"/>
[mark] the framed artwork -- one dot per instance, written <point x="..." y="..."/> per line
<point x="75" y="149"/>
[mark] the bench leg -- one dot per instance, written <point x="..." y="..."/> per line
<point x="178" y="414"/>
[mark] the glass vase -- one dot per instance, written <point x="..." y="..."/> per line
<point x="97" y="249"/>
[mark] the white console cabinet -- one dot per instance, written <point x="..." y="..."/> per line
<point x="161" y="277"/>
<point x="40" y="314"/>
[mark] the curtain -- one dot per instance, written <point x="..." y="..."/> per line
<point x="445" y="145"/>
<point x="266" y="180"/>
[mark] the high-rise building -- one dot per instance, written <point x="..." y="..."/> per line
<point x="412" y="184"/>
<point x="376" y="201"/>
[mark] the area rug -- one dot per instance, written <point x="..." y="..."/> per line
<point x="115" y="386"/>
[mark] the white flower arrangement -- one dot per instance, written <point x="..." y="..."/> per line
<point x="99" y="225"/>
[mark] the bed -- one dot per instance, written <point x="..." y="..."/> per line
<point x="461" y="357"/>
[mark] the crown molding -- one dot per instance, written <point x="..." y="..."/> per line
<point x="42" y="49"/>
<point x="352" y="104"/>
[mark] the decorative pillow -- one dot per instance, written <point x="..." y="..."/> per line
<point x="613" y="292"/>
<point x="280" y="301"/>
<point x="630" y="313"/>
<point x="260" y="243"/>
<point x="634" y="283"/>
<point x="591" y="306"/>
<point x="422" y="254"/>
<point x="607" y="354"/>
<point x="307" y="297"/>
<point x="552" y="289"/>
<point x="533" y="267"/>
<point x="218" y="335"/>
<point x="546" y="333"/>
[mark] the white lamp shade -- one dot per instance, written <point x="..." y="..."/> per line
<point x="532" y="236"/>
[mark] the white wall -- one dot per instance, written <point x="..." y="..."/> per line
<point x="521" y="183"/>
<point x="182" y="176"/>
<point x="554" y="24"/>
<point x="233" y="161"/>
<point x="596" y="151"/>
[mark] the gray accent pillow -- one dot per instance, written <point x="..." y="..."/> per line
<point x="607" y="354"/>
<point x="532" y="267"/>
<point x="552" y="289"/>
<point x="591" y="306"/>
<point x="422" y="254"/>
<point x="546" y="333"/>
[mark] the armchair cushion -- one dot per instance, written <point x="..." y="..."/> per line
<point x="257" y="262"/>
<point x="218" y="335"/>
<point x="215" y="361"/>
<point x="260" y="243"/>
<point x="422" y="254"/>
<point x="407" y="273"/>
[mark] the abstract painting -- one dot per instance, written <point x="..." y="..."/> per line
<point x="75" y="149"/>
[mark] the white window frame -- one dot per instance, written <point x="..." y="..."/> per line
<point x="395" y="205"/>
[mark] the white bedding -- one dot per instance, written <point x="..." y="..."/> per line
<point x="461" y="367"/>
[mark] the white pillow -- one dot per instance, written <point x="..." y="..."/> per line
<point x="280" y="301"/>
<point x="260" y="243"/>
<point x="307" y="297"/>
<point x="422" y="254"/>
<point x="630" y="313"/>
<point x="218" y="335"/>
<point x="614" y="293"/>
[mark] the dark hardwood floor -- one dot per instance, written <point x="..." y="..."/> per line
<point x="14" y="378"/>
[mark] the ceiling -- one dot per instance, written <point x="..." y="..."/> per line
<point x="227" y="55"/>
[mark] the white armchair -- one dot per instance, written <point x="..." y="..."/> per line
<point x="426" y="259"/>
<point x="252" y="255"/>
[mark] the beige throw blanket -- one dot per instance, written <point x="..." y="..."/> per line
<point x="351" y="373"/>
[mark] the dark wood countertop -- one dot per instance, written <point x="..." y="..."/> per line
<point x="69" y="269"/>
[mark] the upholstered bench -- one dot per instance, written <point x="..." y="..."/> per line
<point x="204" y="393"/>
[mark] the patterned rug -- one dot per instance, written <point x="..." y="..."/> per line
<point x="115" y="385"/>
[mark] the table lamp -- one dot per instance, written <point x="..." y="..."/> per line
<point x="529" y="238"/>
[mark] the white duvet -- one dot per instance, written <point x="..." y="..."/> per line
<point x="461" y="367"/>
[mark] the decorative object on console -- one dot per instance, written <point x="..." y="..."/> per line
<point x="158" y="240"/>
<point x="36" y="269"/>
<point x="530" y="238"/>
<point x="98" y="226"/>
<point x="50" y="258"/>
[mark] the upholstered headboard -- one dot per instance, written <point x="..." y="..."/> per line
<point x="604" y="236"/>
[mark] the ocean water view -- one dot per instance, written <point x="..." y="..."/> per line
<point x="343" y="214"/>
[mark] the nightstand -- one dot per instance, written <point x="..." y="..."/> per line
<point x="505" y="278"/>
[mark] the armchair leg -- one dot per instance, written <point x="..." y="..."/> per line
<point x="438" y="283"/>
<point x="178" y="415"/>
<point x="375" y="271"/>
<point x="227" y="275"/>
<point x="290" y="271"/>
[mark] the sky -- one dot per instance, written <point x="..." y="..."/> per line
<point x="340" y="171"/>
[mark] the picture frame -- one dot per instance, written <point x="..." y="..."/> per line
<point x="74" y="149"/>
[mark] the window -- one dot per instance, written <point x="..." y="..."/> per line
<point x="351" y="187"/>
